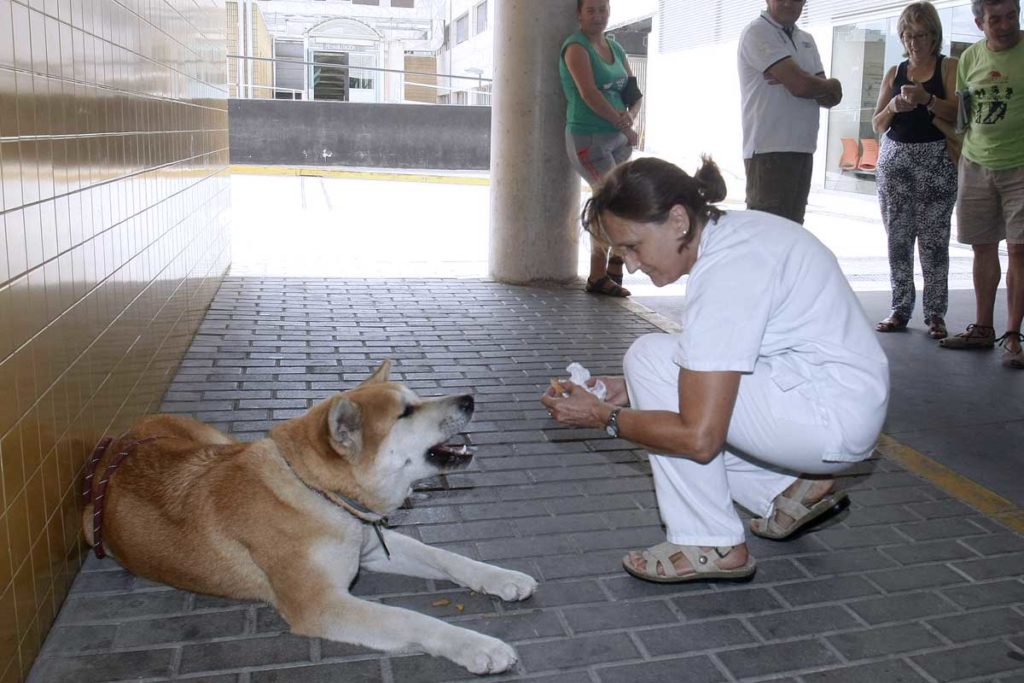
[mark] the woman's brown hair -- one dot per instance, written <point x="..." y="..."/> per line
<point x="645" y="190"/>
<point x="925" y="15"/>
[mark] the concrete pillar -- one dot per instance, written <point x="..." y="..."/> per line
<point x="535" y="194"/>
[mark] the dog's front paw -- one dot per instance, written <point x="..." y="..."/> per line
<point x="510" y="585"/>
<point x="487" y="655"/>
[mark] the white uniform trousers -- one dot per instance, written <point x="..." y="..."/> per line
<point x="773" y="436"/>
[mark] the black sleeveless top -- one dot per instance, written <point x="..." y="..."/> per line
<point x="916" y="125"/>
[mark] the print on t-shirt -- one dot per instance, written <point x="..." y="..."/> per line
<point x="617" y="85"/>
<point x="992" y="99"/>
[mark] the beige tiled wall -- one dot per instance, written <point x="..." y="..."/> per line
<point x="114" y="207"/>
<point x="421" y="65"/>
<point x="262" y="47"/>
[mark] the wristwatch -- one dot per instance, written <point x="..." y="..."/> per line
<point x="612" y="425"/>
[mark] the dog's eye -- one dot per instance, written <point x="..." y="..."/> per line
<point x="409" y="409"/>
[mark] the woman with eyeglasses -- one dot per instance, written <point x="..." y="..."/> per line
<point x="917" y="176"/>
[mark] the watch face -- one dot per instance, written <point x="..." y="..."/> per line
<point x="613" y="424"/>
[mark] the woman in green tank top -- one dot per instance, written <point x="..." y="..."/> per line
<point x="599" y="127"/>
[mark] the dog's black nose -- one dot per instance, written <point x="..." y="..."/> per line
<point x="466" y="403"/>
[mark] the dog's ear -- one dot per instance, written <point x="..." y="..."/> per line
<point x="345" y="422"/>
<point x="381" y="374"/>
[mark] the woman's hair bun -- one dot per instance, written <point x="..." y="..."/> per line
<point x="711" y="181"/>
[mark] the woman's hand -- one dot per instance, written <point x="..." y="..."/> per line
<point x="617" y="394"/>
<point x="625" y="121"/>
<point x="631" y="137"/>
<point x="915" y="94"/>
<point x="899" y="104"/>
<point x="575" y="406"/>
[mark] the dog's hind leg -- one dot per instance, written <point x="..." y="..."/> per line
<point x="412" y="558"/>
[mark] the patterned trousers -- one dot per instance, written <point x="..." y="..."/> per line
<point x="916" y="192"/>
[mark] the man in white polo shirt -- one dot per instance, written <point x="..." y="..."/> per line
<point x="782" y="84"/>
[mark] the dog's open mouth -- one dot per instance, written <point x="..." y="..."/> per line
<point x="449" y="456"/>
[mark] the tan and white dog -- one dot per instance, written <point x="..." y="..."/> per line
<point x="288" y="519"/>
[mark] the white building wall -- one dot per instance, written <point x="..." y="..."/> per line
<point x="693" y="107"/>
<point x="692" y="98"/>
<point x="473" y="57"/>
<point x="628" y="11"/>
<point x="462" y="59"/>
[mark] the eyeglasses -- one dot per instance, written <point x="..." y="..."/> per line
<point x="909" y="37"/>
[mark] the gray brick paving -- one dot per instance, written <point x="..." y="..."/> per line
<point x="904" y="585"/>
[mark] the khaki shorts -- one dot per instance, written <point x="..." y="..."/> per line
<point x="989" y="205"/>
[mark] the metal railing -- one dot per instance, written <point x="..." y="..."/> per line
<point x="332" y="81"/>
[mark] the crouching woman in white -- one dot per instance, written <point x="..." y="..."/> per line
<point x="776" y="375"/>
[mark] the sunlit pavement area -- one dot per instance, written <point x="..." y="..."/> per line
<point x="919" y="579"/>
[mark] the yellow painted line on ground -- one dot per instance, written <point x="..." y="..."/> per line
<point x="960" y="487"/>
<point x="956" y="485"/>
<point x="245" y="169"/>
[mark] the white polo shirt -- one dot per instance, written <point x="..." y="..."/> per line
<point x="773" y="119"/>
<point x="764" y="293"/>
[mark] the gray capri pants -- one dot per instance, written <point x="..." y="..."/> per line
<point x="594" y="155"/>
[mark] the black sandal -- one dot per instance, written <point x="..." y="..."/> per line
<point x="894" y="323"/>
<point x="606" y="286"/>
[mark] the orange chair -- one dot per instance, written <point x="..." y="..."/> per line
<point x="869" y="157"/>
<point x="851" y="155"/>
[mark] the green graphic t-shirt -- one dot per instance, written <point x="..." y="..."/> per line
<point x="995" y="80"/>
<point x="609" y="78"/>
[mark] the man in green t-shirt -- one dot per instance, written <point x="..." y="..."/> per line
<point x="990" y="198"/>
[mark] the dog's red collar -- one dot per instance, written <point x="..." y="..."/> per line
<point x="101" y="489"/>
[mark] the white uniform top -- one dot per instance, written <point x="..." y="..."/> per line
<point x="773" y="119"/>
<point x="764" y="293"/>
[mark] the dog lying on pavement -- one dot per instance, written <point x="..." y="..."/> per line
<point x="291" y="519"/>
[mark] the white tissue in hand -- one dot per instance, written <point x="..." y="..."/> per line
<point x="579" y="375"/>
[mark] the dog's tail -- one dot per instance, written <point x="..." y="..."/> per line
<point x="87" y="524"/>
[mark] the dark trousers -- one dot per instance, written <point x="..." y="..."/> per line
<point x="779" y="182"/>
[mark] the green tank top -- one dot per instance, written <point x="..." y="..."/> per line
<point x="609" y="78"/>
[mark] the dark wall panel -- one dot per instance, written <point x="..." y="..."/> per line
<point x="288" y="132"/>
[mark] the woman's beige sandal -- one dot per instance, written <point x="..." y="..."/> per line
<point x="704" y="564"/>
<point x="801" y="514"/>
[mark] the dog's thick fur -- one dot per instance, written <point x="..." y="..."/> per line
<point x="197" y="510"/>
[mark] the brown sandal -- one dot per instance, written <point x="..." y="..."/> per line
<point x="606" y="286"/>
<point x="894" y="323"/>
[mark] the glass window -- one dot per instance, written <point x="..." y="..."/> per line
<point x="462" y="29"/>
<point x="402" y="3"/>
<point x="481" y="17"/>
<point x="862" y="53"/>
<point x="365" y="2"/>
